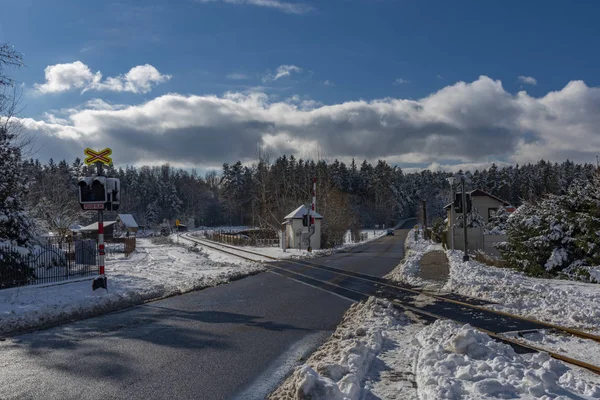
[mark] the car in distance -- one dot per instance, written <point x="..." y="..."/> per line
<point x="390" y="232"/>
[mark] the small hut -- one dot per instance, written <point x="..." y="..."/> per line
<point x="296" y="234"/>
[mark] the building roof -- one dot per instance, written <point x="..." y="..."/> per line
<point x="299" y="212"/>
<point x="479" y="193"/>
<point x="94" y="227"/>
<point x="128" y="220"/>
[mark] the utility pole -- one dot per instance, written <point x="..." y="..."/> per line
<point x="424" y="204"/>
<point x="464" y="213"/>
<point x="451" y="182"/>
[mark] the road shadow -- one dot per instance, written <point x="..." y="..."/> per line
<point x="222" y="317"/>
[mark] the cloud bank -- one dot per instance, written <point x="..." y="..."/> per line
<point x="77" y="75"/>
<point x="286" y="7"/>
<point x="464" y="123"/>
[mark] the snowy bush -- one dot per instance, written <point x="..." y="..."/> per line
<point x="474" y="219"/>
<point x="559" y="234"/>
<point x="497" y="223"/>
<point x="14" y="270"/>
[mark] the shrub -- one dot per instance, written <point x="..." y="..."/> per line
<point x="559" y="233"/>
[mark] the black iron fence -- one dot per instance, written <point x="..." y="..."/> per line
<point x="51" y="260"/>
<point x="55" y="259"/>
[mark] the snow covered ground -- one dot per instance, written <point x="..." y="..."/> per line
<point x="153" y="272"/>
<point x="408" y="270"/>
<point x="567" y="303"/>
<point x="379" y="352"/>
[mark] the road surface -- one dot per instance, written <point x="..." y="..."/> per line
<point x="232" y="341"/>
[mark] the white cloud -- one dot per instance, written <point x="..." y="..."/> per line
<point x="469" y="123"/>
<point x="289" y="8"/>
<point x="236" y="76"/>
<point x="400" y="81"/>
<point x="329" y="83"/>
<point x="63" y="77"/>
<point x="281" y="72"/>
<point x="77" y="75"/>
<point x="528" y="80"/>
<point x="139" y="79"/>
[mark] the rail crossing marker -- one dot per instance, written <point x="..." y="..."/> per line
<point x="99" y="158"/>
<point x="102" y="156"/>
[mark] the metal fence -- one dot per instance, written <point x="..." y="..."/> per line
<point x="241" y="239"/>
<point x="50" y="261"/>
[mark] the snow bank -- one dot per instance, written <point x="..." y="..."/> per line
<point x="337" y="370"/>
<point x="568" y="303"/>
<point x="461" y="362"/>
<point x="562" y="302"/>
<point x="378" y="352"/>
<point x="408" y="270"/>
<point x="153" y="272"/>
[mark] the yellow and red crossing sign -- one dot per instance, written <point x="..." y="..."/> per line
<point x="102" y="156"/>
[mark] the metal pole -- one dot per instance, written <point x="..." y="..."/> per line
<point x="452" y="217"/>
<point x="101" y="280"/>
<point x="101" y="242"/>
<point x="464" y="212"/>
<point x="424" y="203"/>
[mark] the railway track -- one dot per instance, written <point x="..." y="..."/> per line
<point x="429" y="306"/>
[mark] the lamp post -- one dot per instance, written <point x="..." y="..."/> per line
<point x="451" y="182"/>
<point x="464" y="210"/>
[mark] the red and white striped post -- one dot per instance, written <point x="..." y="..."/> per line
<point x="100" y="281"/>
<point x="101" y="242"/>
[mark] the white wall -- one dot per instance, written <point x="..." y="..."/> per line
<point x="294" y="241"/>
<point x="476" y="240"/>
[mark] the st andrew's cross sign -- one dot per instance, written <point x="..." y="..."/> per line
<point x="102" y="156"/>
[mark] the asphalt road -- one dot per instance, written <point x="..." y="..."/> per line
<point x="233" y="341"/>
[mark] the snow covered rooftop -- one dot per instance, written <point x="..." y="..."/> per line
<point x="128" y="220"/>
<point x="299" y="212"/>
<point x="94" y="227"/>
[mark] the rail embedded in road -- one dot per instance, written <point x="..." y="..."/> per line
<point x="404" y="297"/>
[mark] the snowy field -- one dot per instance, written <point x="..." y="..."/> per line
<point x="152" y="272"/>
<point x="379" y="352"/>
<point x="567" y="303"/>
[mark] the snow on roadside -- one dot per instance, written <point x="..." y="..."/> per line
<point x="340" y="368"/>
<point x="567" y="303"/>
<point x="408" y="270"/>
<point x="461" y="362"/>
<point x="153" y="272"/>
<point x="379" y="352"/>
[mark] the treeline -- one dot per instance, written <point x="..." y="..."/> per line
<point x="348" y="195"/>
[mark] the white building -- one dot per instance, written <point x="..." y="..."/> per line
<point x="296" y="234"/>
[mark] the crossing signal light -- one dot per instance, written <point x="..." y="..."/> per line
<point x="458" y="203"/>
<point x="99" y="193"/>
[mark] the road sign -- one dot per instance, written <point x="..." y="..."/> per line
<point x="93" y="206"/>
<point x="177" y="222"/>
<point x="98" y="156"/>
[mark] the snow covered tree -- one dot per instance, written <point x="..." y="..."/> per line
<point x="560" y="233"/>
<point x="474" y="219"/>
<point x="15" y="227"/>
<point x="497" y="223"/>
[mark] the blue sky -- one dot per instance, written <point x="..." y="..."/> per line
<point x="335" y="52"/>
